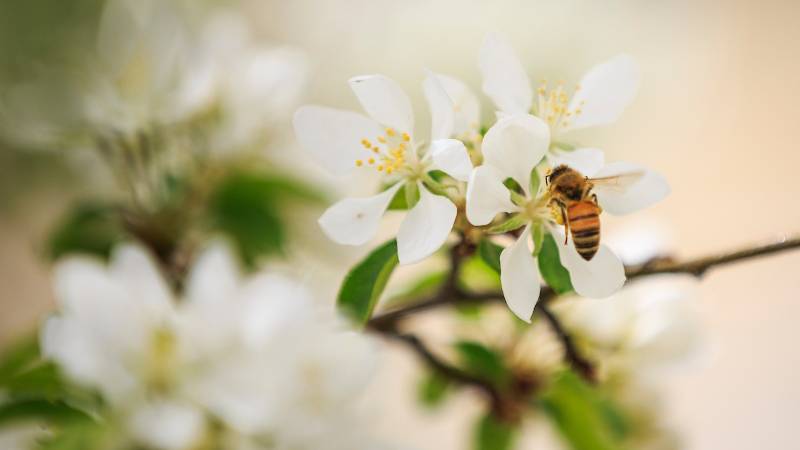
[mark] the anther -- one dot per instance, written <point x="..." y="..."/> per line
<point x="406" y="137"/>
<point x="359" y="163"/>
<point x="390" y="132"/>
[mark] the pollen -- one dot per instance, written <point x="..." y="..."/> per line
<point x="371" y="161"/>
<point x="380" y="167"/>
<point x="366" y="143"/>
<point x="553" y="104"/>
<point x="406" y="137"/>
<point x="381" y="139"/>
<point x="390" y="132"/>
<point x="359" y="163"/>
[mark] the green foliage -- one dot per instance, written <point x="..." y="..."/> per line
<point x="432" y="390"/>
<point x="365" y="283"/>
<point x="493" y="434"/>
<point x="405" y="198"/>
<point x="37" y="409"/>
<point x="248" y="207"/>
<point x="482" y="362"/>
<point x="490" y="253"/>
<point x="586" y="419"/>
<point x="512" y="223"/>
<point x="83" y="435"/>
<point x="554" y="274"/>
<point x="91" y="228"/>
<point x="535" y="182"/>
<point x="477" y="274"/>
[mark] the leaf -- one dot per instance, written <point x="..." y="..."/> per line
<point x="404" y="197"/>
<point x="432" y="390"/>
<point x="248" y="206"/>
<point x="535" y="182"/>
<point x="20" y="355"/>
<point x="493" y="434"/>
<point x="490" y="253"/>
<point x="477" y="274"/>
<point x="38" y="409"/>
<point x="584" y="417"/>
<point x="482" y="362"/>
<point x="512" y="223"/>
<point x="554" y="274"/>
<point x="80" y="436"/>
<point x="365" y="283"/>
<point x="91" y="228"/>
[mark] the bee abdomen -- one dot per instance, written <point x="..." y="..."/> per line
<point x="584" y="223"/>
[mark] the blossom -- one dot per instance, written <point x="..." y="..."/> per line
<point x="252" y="353"/>
<point x="513" y="148"/>
<point x="599" y="99"/>
<point x="385" y="140"/>
<point x="646" y="327"/>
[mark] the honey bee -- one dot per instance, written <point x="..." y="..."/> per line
<point x="577" y="207"/>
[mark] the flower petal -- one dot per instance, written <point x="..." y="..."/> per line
<point x="600" y="277"/>
<point x="451" y="156"/>
<point x="333" y="136"/>
<point x="504" y="78"/>
<point x="441" y="106"/>
<point x="426" y="227"/>
<point x="515" y="145"/>
<point x="520" y="277"/>
<point x="214" y="277"/>
<point x="385" y="101"/>
<point x="135" y="269"/>
<point x="354" y="221"/>
<point x="606" y="90"/>
<point x="466" y="105"/>
<point x="487" y="196"/>
<point x="585" y="160"/>
<point x="627" y="198"/>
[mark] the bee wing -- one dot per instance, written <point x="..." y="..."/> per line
<point x="619" y="182"/>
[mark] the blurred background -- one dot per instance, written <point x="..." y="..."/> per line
<point x="716" y="114"/>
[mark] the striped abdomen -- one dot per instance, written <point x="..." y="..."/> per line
<point x="584" y="225"/>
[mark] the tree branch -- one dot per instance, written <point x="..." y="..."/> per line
<point x="578" y="363"/>
<point x="697" y="267"/>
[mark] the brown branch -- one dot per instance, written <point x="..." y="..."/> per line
<point x="578" y="363"/>
<point x="443" y="368"/>
<point x="697" y="267"/>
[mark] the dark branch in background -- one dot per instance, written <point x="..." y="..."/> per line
<point x="451" y="294"/>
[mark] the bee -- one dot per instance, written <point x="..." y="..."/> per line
<point x="577" y="207"/>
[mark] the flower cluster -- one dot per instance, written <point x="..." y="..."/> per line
<point x="236" y="362"/>
<point x="503" y="191"/>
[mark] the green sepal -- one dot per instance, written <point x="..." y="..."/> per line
<point x="514" y="222"/>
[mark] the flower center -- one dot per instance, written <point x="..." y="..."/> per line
<point x="553" y="105"/>
<point x="388" y="153"/>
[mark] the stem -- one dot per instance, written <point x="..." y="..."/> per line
<point x="578" y="363"/>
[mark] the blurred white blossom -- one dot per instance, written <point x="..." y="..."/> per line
<point x="648" y="326"/>
<point x="253" y="353"/>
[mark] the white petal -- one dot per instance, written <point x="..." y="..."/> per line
<point x="515" y="145"/>
<point x="606" y="91"/>
<point x="585" y="160"/>
<point x="333" y="136"/>
<point x="214" y="277"/>
<point x="467" y="107"/>
<point x="167" y="425"/>
<point x="504" y="78"/>
<point x="426" y="227"/>
<point x="647" y="190"/>
<point x="487" y="196"/>
<point x="441" y="106"/>
<point x="598" y="278"/>
<point x="135" y="269"/>
<point x="385" y="101"/>
<point x="520" y="277"/>
<point x="354" y="221"/>
<point x="451" y="156"/>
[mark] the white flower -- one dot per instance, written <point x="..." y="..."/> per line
<point x="599" y="99"/>
<point x="251" y="352"/>
<point x="649" y="326"/>
<point x="342" y="140"/>
<point x="513" y="148"/>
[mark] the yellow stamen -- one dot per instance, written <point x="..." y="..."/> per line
<point x="390" y="132"/>
<point x="371" y="160"/>
<point x="359" y="163"/>
<point x="406" y="137"/>
<point x="381" y="139"/>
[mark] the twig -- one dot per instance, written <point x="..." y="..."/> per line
<point x="697" y="267"/>
<point x="580" y="364"/>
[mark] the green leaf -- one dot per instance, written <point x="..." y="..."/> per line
<point x="365" y="283"/>
<point x="19" y="356"/>
<point x="80" y="436"/>
<point x="535" y="182"/>
<point x="87" y="228"/>
<point x="490" y="253"/>
<point x="494" y="434"/>
<point x="583" y="416"/>
<point x="432" y="390"/>
<point x="404" y="197"/>
<point x="554" y="274"/>
<point x="477" y="274"/>
<point x="248" y="206"/>
<point x="482" y="362"/>
<point x="512" y="223"/>
<point x="37" y="409"/>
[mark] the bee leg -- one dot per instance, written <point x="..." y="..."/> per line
<point x="594" y="198"/>
<point x="566" y="224"/>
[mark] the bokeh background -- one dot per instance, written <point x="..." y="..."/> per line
<point x="716" y="114"/>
